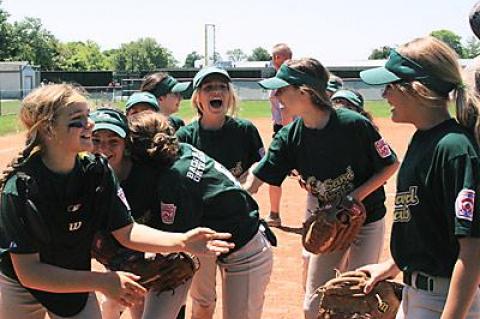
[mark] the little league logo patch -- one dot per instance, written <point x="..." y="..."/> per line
<point x="168" y="212"/>
<point x="382" y="148"/>
<point x="122" y="197"/>
<point x="465" y="204"/>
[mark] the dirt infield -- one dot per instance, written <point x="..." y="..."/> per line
<point x="284" y="294"/>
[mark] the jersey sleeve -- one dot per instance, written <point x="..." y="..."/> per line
<point x="183" y="135"/>
<point x="380" y="152"/>
<point x="277" y="163"/>
<point x="14" y="234"/>
<point x="256" y="149"/>
<point x="118" y="212"/>
<point x="460" y="180"/>
<point x="176" y="209"/>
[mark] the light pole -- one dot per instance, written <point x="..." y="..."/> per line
<point x="207" y="28"/>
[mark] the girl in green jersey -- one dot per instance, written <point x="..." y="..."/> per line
<point x="435" y="238"/>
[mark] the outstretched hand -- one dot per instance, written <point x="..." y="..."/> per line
<point x="205" y="241"/>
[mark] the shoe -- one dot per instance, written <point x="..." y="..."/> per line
<point x="273" y="220"/>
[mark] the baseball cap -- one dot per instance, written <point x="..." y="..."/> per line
<point x="142" y="97"/>
<point x="111" y="120"/>
<point x="203" y="73"/>
<point x="288" y="76"/>
<point x="333" y="85"/>
<point x="349" y="96"/>
<point x="399" y="68"/>
<point x="170" y="84"/>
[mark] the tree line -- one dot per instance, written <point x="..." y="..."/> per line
<point x="28" y="40"/>
<point x="468" y="51"/>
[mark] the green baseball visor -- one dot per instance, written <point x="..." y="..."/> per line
<point x="170" y="84"/>
<point x="110" y="120"/>
<point x="288" y="76"/>
<point x="349" y="96"/>
<point x="142" y="97"/>
<point x="207" y="71"/>
<point x="333" y="86"/>
<point x="399" y="68"/>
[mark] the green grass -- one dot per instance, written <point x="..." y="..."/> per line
<point x="247" y="109"/>
<point x="9" y="124"/>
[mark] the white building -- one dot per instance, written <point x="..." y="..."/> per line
<point x="17" y="79"/>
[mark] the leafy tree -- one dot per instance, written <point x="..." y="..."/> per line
<point x="5" y="35"/>
<point x="33" y="43"/>
<point x="453" y="40"/>
<point x="260" y="54"/>
<point x="191" y="58"/>
<point x="82" y="56"/>
<point x="472" y="48"/>
<point x="144" y="54"/>
<point x="379" y="54"/>
<point x="236" y="55"/>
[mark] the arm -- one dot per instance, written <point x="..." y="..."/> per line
<point x="252" y="183"/>
<point x="32" y="273"/>
<point x="197" y="241"/>
<point x="465" y="279"/>
<point x="378" y="179"/>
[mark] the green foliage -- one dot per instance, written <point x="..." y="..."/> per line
<point x="191" y="58"/>
<point x="260" y="54"/>
<point x="5" y="35"/>
<point x="472" y="48"/>
<point x="82" y="56"/>
<point x="33" y="43"/>
<point x="453" y="40"/>
<point x="236" y="55"/>
<point x="379" y="54"/>
<point x="141" y="55"/>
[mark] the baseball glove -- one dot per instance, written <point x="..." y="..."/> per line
<point x="333" y="226"/>
<point x="343" y="297"/>
<point x="160" y="272"/>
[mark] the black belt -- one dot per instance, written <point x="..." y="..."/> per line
<point x="421" y="281"/>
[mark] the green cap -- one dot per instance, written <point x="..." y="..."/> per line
<point x="288" y="76"/>
<point x="142" y="97"/>
<point x="111" y="120"/>
<point x="170" y="84"/>
<point x="399" y="68"/>
<point x="349" y="96"/>
<point x="203" y="73"/>
<point x="333" y="85"/>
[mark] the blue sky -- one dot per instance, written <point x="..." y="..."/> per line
<point x="327" y="30"/>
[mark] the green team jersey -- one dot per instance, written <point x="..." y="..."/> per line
<point x="65" y="212"/>
<point x="236" y="145"/>
<point x="333" y="161"/>
<point x="139" y="188"/>
<point x="436" y="200"/>
<point x="198" y="191"/>
<point x="176" y="122"/>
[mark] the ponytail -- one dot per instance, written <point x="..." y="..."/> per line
<point x="467" y="104"/>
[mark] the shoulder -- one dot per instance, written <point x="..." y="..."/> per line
<point x="457" y="142"/>
<point x="187" y="130"/>
<point x="349" y="117"/>
<point x="239" y="123"/>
